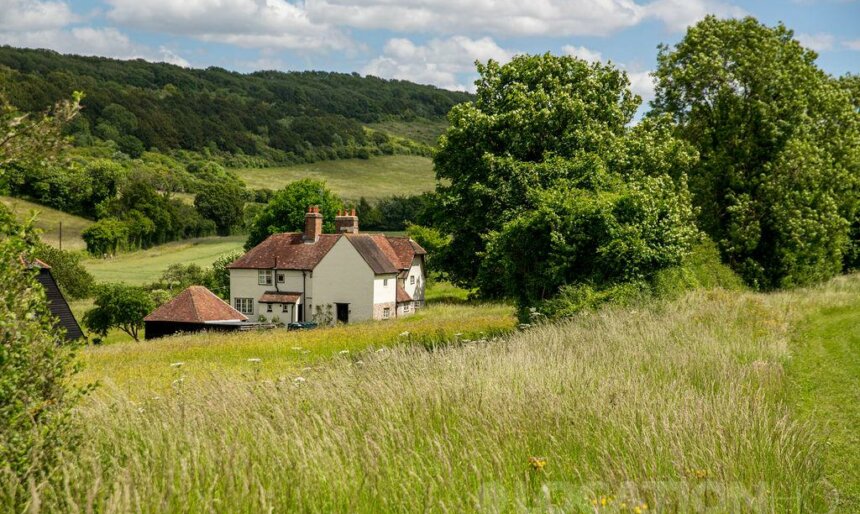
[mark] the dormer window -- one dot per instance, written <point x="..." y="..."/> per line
<point x="264" y="277"/>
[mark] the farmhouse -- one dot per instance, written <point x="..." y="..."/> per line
<point x="347" y="276"/>
<point x="193" y="310"/>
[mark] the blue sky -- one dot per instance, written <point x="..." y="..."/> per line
<point x="427" y="41"/>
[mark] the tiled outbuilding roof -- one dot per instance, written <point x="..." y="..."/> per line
<point x="195" y="305"/>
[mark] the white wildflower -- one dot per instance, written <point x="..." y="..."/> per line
<point x="299" y="380"/>
<point x="177" y="364"/>
<point x="404" y="334"/>
<point x="344" y="352"/>
<point x="255" y="360"/>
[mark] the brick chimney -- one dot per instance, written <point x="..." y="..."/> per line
<point x="313" y="224"/>
<point x="346" y="222"/>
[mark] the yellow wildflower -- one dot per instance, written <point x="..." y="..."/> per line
<point x="537" y="463"/>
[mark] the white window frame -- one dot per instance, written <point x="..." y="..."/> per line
<point x="406" y="307"/>
<point x="384" y="282"/>
<point x="264" y="277"/>
<point x="282" y="277"/>
<point x="244" y="305"/>
<point x="386" y="312"/>
<point x="269" y="307"/>
<point x="411" y="280"/>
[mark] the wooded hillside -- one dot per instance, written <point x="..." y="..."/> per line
<point x="284" y="116"/>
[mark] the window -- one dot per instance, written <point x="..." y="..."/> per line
<point x="244" y="305"/>
<point x="264" y="277"/>
<point x="268" y="307"/>
<point x="406" y="308"/>
<point x="386" y="313"/>
<point x="412" y="280"/>
<point x="282" y="277"/>
<point x="384" y="282"/>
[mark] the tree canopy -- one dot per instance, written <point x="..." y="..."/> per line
<point x="543" y="170"/>
<point x="778" y="180"/>
<point x="286" y="211"/>
<point x="119" y="306"/>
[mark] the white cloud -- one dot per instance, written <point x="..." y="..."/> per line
<point x="34" y="15"/>
<point x="582" y="52"/>
<point x="677" y="15"/>
<point x="441" y="62"/>
<point x="852" y="44"/>
<point x="513" y="17"/>
<point x="246" y="23"/>
<point x="819" y="42"/>
<point x="642" y="84"/>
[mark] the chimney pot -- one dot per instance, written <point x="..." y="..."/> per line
<point x="313" y="225"/>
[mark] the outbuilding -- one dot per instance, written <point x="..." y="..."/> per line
<point x="193" y="310"/>
<point x="57" y="303"/>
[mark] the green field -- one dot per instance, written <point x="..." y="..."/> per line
<point x="373" y="178"/>
<point x="49" y="222"/>
<point x="146" y="266"/>
<point x="687" y="406"/>
<point x="424" y="131"/>
<point x="825" y="373"/>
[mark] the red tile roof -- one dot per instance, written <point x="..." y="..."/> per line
<point x="402" y="295"/>
<point x="286" y="251"/>
<point x="289" y="251"/>
<point x="195" y="305"/>
<point x="406" y="250"/>
<point x="279" y="297"/>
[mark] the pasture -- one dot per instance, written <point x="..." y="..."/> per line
<point x="48" y="221"/>
<point x="146" y="266"/>
<point x="374" y="178"/>
<point x="676" y="406"/>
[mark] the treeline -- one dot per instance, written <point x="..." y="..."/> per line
<point x="277" y="117"/>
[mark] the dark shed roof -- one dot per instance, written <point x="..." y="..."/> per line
<point x="57" y="302"/>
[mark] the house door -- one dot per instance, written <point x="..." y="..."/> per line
<point x="342" y="312"/>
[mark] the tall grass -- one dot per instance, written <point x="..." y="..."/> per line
<point x="674" y="408"/>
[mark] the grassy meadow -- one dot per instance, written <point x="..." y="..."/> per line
<point x="374" y="178"/>
<point x="146" y="266"/>
<point x="424" y="130"/>
<point x="48" y="221"/>
<point x="711" y="402"/>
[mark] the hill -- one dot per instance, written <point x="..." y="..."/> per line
<point x="373" y="178"/>
<point x="48" y="221"/>
<point x="663" y="408"/>
<point x="284" y="117"/>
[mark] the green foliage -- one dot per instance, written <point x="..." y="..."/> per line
<point x="119" y="306"/>
<point x="432" y="240"/>
<point x="179" y="276"/>
<point x="222" y="203"/>
<point x="105" y="237"/>
<point x="218" y="278"/>
<point x="549" y="187"/>
<point x="286" y="210"/>
<point x="36" y="429"/>
<point x="273" y="116"/>
<point x="32" y="138"/>
<point x="595" y="230"/>
<point x="72" y="277"/>
<point x="778" y="181"/>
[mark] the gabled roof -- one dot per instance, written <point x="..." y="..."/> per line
<point x="195" y="305"/>
<point x="286" y="251"/>
<point x="34" y="263"/>
<point x="384" y="255"/>
<point x="376" y="251"/>
<point x="406" y="250"/>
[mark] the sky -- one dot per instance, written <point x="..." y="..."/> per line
<point x="426" y="41"/>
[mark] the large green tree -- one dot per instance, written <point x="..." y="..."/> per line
<point x="544" y="123"/>
<point x="119" y="306"/>
<point x="777" y="181"/>
<point x="221" y="202"/>
<point x="285" y="212"/>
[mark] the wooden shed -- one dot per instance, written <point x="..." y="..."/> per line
<point x="56" y="301"/>
<point x="193" y="310"/>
